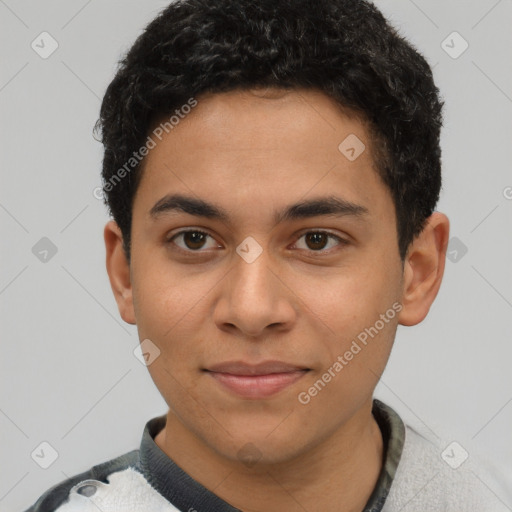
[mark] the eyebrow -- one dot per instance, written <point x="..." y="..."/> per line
<point x="328" y="206"/>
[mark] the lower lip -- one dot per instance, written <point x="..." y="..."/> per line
<point x="257" y="386"/>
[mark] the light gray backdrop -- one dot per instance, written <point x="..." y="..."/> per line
<point x="68" y="374"/>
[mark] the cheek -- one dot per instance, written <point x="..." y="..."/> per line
<point x="167" y="313"/>
<point x="350" y="373"/>
<point x="348" y="299"/>
<point x="165" y="295"/>
<point x="352" y="317"/>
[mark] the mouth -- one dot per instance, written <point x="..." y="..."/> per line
<point x="256" y="381"/>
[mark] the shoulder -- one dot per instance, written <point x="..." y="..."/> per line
<point x="111" y="486"/>
<point x="57" y="495"/>
<point x="443" y="476"/>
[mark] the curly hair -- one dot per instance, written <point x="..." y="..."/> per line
<point x="343" y="48"/>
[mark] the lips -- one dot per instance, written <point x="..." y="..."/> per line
<point x="256" y="380"/>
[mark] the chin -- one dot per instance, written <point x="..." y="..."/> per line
<point x="257" y="447"/>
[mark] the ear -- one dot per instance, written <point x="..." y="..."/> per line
<point x="423" y="269"/>
<point x="118" y="270"/>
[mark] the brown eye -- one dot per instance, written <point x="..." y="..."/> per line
<point x="192" y="240"/>
<point x="316" y="241"/>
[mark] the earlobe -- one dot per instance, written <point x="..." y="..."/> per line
<point x="118" y="270"/>
<point x="424" y="269"/>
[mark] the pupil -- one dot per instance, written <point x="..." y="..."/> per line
<point x="194" y="239"/>
<point x="317" y="238"/>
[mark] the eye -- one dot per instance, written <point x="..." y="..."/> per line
<point x="319" y="240"/>
<point x="192" y="240"/>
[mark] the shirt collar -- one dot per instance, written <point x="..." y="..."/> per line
<point x="184" y="492"/>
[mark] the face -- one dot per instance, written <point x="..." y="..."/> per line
<point x="255" y="239"/>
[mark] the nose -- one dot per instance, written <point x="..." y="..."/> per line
<point x="255" y="300"/>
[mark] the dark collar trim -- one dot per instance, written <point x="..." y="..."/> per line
<point x="393" y="434"/>
<point x="184" y="492"/>
<point x="170" y="480"/>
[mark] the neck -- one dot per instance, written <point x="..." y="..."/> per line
<point x="340" y="473"/>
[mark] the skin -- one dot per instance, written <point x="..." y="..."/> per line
<point x="253" y="153"/>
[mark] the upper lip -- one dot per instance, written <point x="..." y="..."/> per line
<point x="263" y="368"/>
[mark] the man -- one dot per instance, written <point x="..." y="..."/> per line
<point x="272" y="169"/>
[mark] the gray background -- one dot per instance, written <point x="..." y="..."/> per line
<point x="68" y="373"/>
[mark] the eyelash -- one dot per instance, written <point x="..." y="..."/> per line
<point x="341" y="241"/>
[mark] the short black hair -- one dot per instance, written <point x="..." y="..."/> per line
<point x="343" y="48"/>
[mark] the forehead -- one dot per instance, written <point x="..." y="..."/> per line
<point x="264" y="147"/>
<point x="292" y="115"/>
